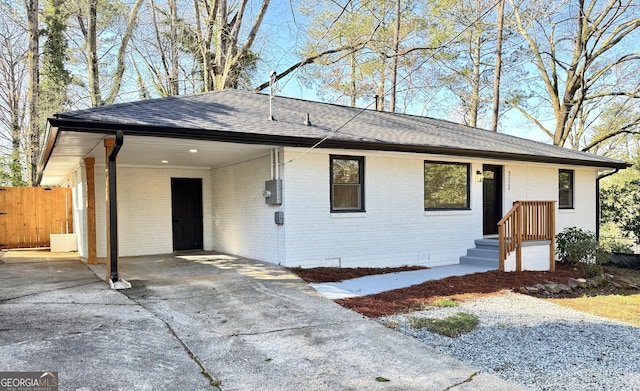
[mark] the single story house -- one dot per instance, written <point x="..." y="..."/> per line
<point x="301" y="183"/>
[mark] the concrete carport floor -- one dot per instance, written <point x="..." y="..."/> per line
<point x="204" y="322"/>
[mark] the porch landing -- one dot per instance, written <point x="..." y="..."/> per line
<point x="370" y="285"/>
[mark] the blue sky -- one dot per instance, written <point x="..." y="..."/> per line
<point x="282" y="33"/>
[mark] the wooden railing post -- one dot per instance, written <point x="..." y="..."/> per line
<point x="518" y="237"/>
<point x="527" y="220"/>
<point x="552" y="234"/>
<point x="501" y="246"/>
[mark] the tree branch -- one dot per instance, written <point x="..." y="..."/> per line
<point x="529" y="117"/>
<point x="624" y="130"/>
<point x="312" y="59"/>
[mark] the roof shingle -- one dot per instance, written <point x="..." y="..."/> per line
<point x="247" y="113"/>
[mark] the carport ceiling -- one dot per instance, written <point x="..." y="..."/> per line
<point x="72" y="147"/>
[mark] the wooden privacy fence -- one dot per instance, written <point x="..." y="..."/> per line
<point x="28" y="215"/>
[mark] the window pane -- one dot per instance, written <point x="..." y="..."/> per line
<point x="446" y="186"/>
<point x="346" y="171"/>
<point x="565" y="189"/>
<point x="565" y="180"/>
<point x="347" y="183"/>
<point x="565" y="199"/>
<point x="346" y="196"/>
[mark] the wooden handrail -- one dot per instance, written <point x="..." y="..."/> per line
<point x="526" y="221"/>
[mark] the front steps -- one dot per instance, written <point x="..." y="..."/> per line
<point x="486" y="253"/>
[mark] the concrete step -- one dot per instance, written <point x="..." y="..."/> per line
<point x="487" y="243"/>
<point x="485" y="254"/>
<point x="488" y="253"/>
<point x="475" y="261"/>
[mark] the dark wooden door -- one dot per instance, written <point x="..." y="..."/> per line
<point x="186" y="213"/>
<point x="491" y="198"/>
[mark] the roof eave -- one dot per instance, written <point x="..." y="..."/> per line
<point x="67" y="124"/>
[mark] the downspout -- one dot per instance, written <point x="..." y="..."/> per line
<point x="600" y="177"/>
<point x="113" y="203"/>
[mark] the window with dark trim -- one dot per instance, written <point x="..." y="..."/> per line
<point x="347" y="183"/>
<point x="565" y="189"/>
<point x="446" y="185"/>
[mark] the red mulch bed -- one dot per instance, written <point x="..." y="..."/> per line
<point x="335" y="274"/>
<point x="458" y="288"/>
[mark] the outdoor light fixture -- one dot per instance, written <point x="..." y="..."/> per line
<point x="479" y="176"/>
<point x="165" y="161"/>
<point x="193" y="150"/>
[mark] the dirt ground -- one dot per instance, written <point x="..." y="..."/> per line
<point x="457" y="288"/>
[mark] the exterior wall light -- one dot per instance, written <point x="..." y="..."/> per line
<point x="479" y="176"/>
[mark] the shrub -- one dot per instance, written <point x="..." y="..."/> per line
<point x="617" y="246"/>
<point x="576" y="246"/>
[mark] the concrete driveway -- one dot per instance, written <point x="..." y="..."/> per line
<point x="204" y="322"/>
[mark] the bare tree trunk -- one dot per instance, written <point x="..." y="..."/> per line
<point x="14" y="73"/>
<point x="174" y="83"/>
<point x="354" y="92"/>
<point x="597" y="31"/>
<point x="498" y="69"/>
<point x="205" y="37"/>
<point x="383" y="75"/>
<point x="122" y="51"/>
<point x="91" y="38"/>
<point x="222" y="40"/>
<point x="475" y="82"/>
<point x="394" y="63"/>
<point x="234" y="56"/>
<point x="33" y="136"/>
<point x="164" y="88"/>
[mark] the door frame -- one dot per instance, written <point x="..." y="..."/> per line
<point x="498" y="171"/>
<point x="200" y="229"/>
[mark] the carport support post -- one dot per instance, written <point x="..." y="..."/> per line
<point x="89" y="164"/>
<point x="112" y="214"/>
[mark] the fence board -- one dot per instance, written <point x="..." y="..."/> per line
<point x="30" y="214"/>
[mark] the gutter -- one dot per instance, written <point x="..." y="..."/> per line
<point x="598" y="211"/>
<point x="51" y="137"/>
<point x="75" y="125"/>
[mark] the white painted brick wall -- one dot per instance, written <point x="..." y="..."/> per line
<point x="79" y="194"/>
<point x="534" y="258"/>
<point x="243" y="224"/>
<point x="144" y="203"/>
<point x="584" y="213"/>
<point x="540" y="182"/>
<point x="395" y="230"/>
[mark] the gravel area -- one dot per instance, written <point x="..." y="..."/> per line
<point x="538" y="344"/>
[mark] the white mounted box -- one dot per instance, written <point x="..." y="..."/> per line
<point x="63" y="243"/>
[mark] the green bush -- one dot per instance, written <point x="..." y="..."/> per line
<point x="612" y="245"/>
<point x="576" y="246"/>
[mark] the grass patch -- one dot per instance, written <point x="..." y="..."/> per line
<point x="445" y="302"/>
<point x="617" y="307"/>
<point x="451" y="326"/>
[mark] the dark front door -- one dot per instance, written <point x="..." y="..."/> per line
<point x="186" y="213"/>
<point x="491" y="198"/>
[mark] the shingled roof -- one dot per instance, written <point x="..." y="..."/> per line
<point x="243" y="117"/>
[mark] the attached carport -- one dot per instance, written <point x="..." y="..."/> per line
<point x="72" y="144"/>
